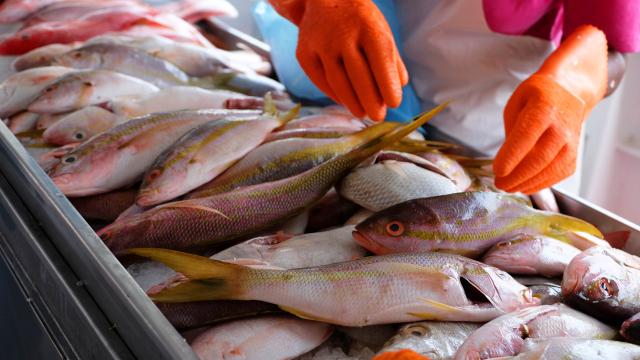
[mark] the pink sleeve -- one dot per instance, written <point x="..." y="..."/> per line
<point x="619" y="19"/>
<point x="514" y="17"/>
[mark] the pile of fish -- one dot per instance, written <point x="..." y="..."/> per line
<point x="263" y="229"/>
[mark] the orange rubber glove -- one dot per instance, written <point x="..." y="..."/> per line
<point x="404" y="354"/>
<point x="347" y="50"/>
<point x="544" y="116"/>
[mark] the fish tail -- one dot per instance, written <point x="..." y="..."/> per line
<point x="270" y="108"/>
<point x="371" y="132"/>
<point x="417" y="146"/>
<point x="395" y="134"/>
<point x="562" y="226"/>
<point x="30" y="133"/>
<point x="206" y="279"/>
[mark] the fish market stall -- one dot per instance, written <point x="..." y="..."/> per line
<point x="97" y="174"/>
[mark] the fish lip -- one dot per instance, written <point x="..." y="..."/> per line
<point x="369" y="244"/>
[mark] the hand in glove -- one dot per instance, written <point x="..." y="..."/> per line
<point x="347" y="50"/>
<point x="544" y="116"/>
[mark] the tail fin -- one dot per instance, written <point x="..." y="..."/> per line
<point x="394" y="135"/>
<point x="270" y="108"/>
<point x="371" y="132"/>
<point x="207" y="279"/>
<point x="562" y="227"/>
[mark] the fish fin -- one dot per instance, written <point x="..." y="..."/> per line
<point x="303" y="315"/>
<point x="30" y="133"/>
<point x="374" y="145"/>
<point x="442" y="306"/>
<point x="180" y="205"/>
<point x="562" y="227"/>
<point x="371" y="132"/>
<point x="192" y="266"/>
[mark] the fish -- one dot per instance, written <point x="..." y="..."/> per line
<point x="359" y="217"/>
<point x="602" y="281"/>
<point x="281" y="159"/>
<point x="197" y="314"/>
<point x="46" y="120"/>
<point x="95" y="23"/>
<point x="547" y="290"/>
<point x="43" y="56"/>
<point x="202" y="154"/>
<point x="630" y="328"/>
<point x="531" y="255"/>
<point x="331" y="211"/>
<point x="314" y="133"/>
<point x="92" y="120"/>
<point x="390" y="182"/>
<point x="104" y="207"/>
<point x="80" y="125"/>
<point x="326" y="121"/>
<point x="87" y="87"/>
<point x="119" y="157"/>
<point x="196" y="10"/>
<point x="195" y="61"/>
<point x="505" y="335"/>
<point x="216" y="219"/>
<point x="467" y="223"/>
<point x="292" y="252"/>
<point x="173" y="99"/>
<point x="437" y="340"/>
<point x="72" y="10"/>
<point x="12" y="11"/>
<point x="19" y="90"/>
<point x="248" y="83"/>
<point x="583" y="349"/>
<point x="268" y="337"/>
<point x="406" y="287"/>
<point x="126" y="60"/>
<point x="23" y="122"/>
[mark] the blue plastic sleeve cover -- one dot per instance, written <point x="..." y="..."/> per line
<point x="282" y="36"/>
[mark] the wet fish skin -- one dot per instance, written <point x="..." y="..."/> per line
<point x="43" y="56"/>
<point x="104" y="207"/>
<point x="326" y="121"/>
<point x="20" y="89"/>
<point x="202" y="154"/>
<point x="80" y="125"/>
<point x="390" y="182"/>
<point x="451" y="167"/>
<point x="270" y="337"/>
<point x="87" y="87"/>
<point x="436" y="340"/>
<point x="126" y="60"/>
<point x="281" y="159"/>
<point x="189" y="223"/>
<point x="505" y="336"/>
<point x="23" y="122"/>
<point x="583" y="349"/>
<point x="603" y="282"/>
<point x="548" y="291"/>
<point x="307" y="250"/>
<point x="630" y="329"/>
<point x="531" y="255"/>
<point x="417" y="287"/>
<point x="196" y="314"/>
<point x="120" y="156"/>
<point x="464" y="223"/>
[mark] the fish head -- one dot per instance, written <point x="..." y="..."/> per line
<point x="79" y="126"/>
<point x="81" y="59"/>
<point x="600" y="285"/>
<point x="82" y="171"/>
<point x="521" y="250"/>
<point x="121" y="234"/>
<point x="393" y="230"/>
<point x="66" y="94"/>
<point x="161" y="183"/>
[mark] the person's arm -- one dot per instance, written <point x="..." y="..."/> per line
<point x="515" y="17"/>
<point x="348" y="51"/>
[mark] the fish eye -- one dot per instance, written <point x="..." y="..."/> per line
<point x="77" y="55"/>
<point x="608" y="287"/>
<point x="153" y="174"/>
<point x="395" y="228"/>
<point x="87" y="83"/>
<point x="48" y="89"/>
<point x="78" y="136"/>
<point x="504" y="244"/>
<point x="69" y="159"/>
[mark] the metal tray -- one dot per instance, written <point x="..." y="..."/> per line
<point x="84" y="300"/>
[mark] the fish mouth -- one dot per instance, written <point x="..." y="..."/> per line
<point x="369" y="244"/>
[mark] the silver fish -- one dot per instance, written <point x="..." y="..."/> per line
<point x="19" y="90"/>
<point x="582" y="349"/>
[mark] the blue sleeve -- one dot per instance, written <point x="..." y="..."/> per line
<point x="282" y="36"/>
